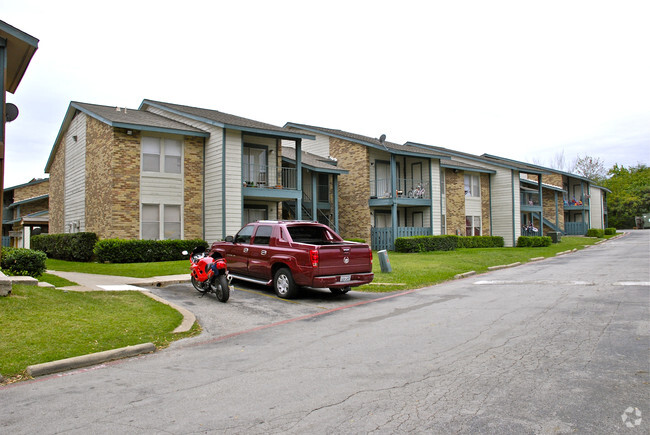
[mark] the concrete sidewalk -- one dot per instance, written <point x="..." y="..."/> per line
<point x="92" y="282"/>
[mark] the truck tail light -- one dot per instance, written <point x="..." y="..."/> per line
<point x="313" y="256"/>
<point x="370" y="252"/>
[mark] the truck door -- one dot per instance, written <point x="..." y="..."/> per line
<point x="237" y="256"/>
<point x="259" y="265"/>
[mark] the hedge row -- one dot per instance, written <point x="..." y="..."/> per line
<point x="534" y="241"/>
<point x="71" y="247"/>
<point x="143" y="251"/>
<point x="610" y="231"/>
<point x="26" y="262"/>
<point x="595" y="232"/>
<point x="445" y="243"/>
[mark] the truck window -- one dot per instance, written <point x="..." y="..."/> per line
<point x="313" y="235"/>
<point x="263" y="235"/>
<point x="244" y="235"/>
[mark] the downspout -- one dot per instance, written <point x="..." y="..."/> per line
<point x="512" y="188"/>
<point x="299" y="178"/>
<point x="431" y="199"/>
<point x="541" y="204"/>
<point x="335" y="188"/>
<point x="393" y="195"/>
<point x="223" y="181"/>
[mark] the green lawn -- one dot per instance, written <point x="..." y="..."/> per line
<point x="40" y="324"/>
<point x="135" y="270"/>
<point x="428" y="268"/>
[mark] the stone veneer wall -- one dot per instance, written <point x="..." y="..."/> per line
<point x="353" y="188"/>
<point x="31" y="191"/>
<point x="125" y="189"/>
<point x="455" y="193"/>
<point x="57" y="177"/>
<point x="193" y="188"/>
<point x="99" y="178"/>
<point x="485" y="204"/>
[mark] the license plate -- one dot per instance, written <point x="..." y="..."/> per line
<point x="345" y="278"/>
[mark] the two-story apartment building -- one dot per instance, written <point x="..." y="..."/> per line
<point x="25" y="212"/>
<point x="171" y="171"/>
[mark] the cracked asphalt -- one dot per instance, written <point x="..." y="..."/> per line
<point x="556" y="346"/>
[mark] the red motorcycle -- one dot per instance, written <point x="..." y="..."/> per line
<point x="209" y="274"/>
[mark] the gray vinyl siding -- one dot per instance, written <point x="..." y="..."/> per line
<point x="320" y="146"/>
<point x="234" y="205"/>
<point x="435" y="197"/>
<point x="74" y="203"/>
<point x="503" y="204"/>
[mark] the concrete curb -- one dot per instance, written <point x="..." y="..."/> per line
<point x="465" y="275"/>
<point x="89" y="360"/>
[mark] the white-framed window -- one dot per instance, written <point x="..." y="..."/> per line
<point x="472" y="186"/>
<point x="155" y="228"/>
<point x="442" y="182"/>
<point x="161" y="154"/>
<point x="472" y="225"/>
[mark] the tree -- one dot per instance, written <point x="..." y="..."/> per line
<point x="590" y="167"/>
<point x="630" y="195"/>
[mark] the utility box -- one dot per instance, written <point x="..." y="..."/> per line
<point x="384" y="262"/>
<point x="555" y="236"/>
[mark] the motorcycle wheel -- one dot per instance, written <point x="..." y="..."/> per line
<point x="197" y="286"/>
<point x="222" y="290"/>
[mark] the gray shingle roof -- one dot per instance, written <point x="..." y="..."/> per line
<point x="119" y="117"/>
<point x="313" y="160"/>
<point x="366" y="140"/>
<point x="221" y="118"/>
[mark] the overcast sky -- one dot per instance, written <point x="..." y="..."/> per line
<point x="524" y="80"/>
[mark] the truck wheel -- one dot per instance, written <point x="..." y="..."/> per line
<point x="340" y="290"/>
<point x="283" y="284"/>
<point x="223" y="291"/>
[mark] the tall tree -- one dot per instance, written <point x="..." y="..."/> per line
<point x="590" y="167"/>
<point x="630" y="195"/>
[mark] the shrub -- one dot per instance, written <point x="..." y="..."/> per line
<point x="595" y="232"/>
<point x="534" y="241"/>
<point x="426" y="243"/>
<point x="71" y="247"/>
<point x="610" y="231"/>
<point x="480" y="242"/>
<point x="144" y="251"/>
<point x="20" y="261"/>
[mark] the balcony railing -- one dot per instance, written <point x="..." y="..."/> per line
<point x="406" y="188"/>
<point x="268" y="176"/>
<point x="530" y="199"/>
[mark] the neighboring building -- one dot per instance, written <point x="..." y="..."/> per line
<point x="397" y="190"/>
<point x="25" y="212"/>
<point x="167" y="171"/>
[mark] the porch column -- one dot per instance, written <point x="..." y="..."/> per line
<point x="299" y="178"/>
<point x="393" y="195"/>
<point x="314" y="196"/>
<point x="541" y="204"/>
<point x="335" y="192"/>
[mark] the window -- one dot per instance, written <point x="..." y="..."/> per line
<point x="323" y="188"/>
<point x="162" y="153"/>
<point x="472" y="186"/>
<point x="442" y="182"/>
<point x="472" y="225"/>
<point x="152" y="227"/>
<point x="443" y="225"/>
<point x="255" y="165"/>
<point x="263" y="235"/>
<point x="244" y="235"/>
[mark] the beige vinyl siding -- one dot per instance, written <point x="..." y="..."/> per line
<point x="74" y="213"/>
<point x="596" y="208"/>
<point x="234" y="206"/>
<point x="320" y="146"/>
<point x="212" y="204"/>
<point x="434" y="167"/>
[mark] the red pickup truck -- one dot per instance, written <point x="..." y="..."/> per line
<point x="290" y="254"/>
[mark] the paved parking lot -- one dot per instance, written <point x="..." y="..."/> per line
<point x="252" y="306"/>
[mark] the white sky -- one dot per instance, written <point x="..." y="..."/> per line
<point x="520" y="79"/>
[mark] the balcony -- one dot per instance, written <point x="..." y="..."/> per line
<point x="267" y="182"/>
<point x="408" y="191"/>
<point x="580" y="203"/>
<point x="530" y="201"/>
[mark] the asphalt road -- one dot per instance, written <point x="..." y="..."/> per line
<point x="557" y="346"/>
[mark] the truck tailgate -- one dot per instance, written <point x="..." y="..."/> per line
<point x="343" y="259"/>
